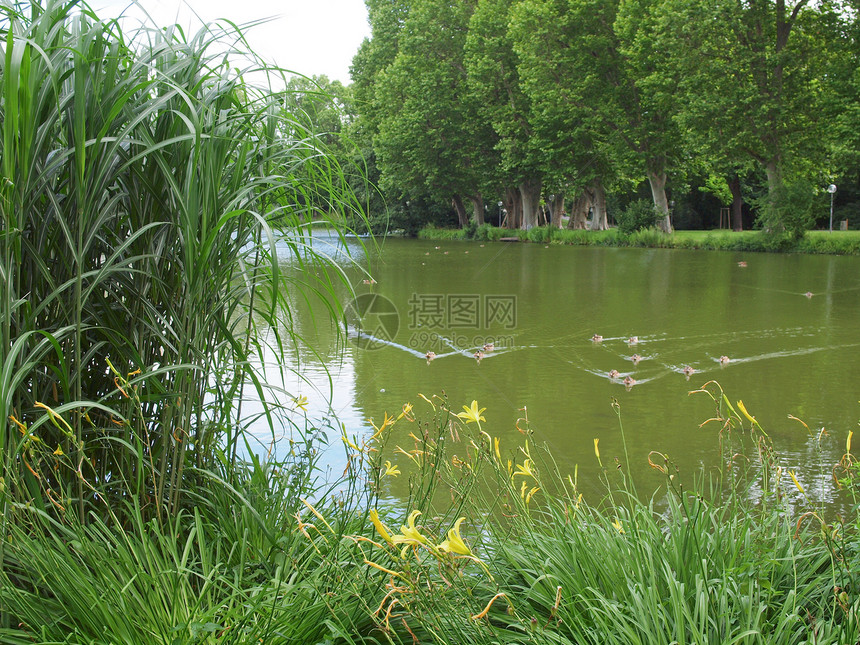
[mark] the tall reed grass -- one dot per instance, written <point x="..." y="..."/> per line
<point x="145" y="185"/>
<point x="149" y="192"/>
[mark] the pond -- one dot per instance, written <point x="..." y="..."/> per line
<point x="789" y="325"/>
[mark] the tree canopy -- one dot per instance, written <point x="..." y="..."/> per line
<point x="531" y="101"/>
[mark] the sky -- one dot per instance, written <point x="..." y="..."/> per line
<point x="310" y="37"/>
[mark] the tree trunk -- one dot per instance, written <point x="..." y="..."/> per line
<point x="773" y="219"/>
<point x="556" y="205"/>
<point x="530" y="193"/>
<point x="514" y="206"/>
<point x="657" y="180"/>
<point x="457" y="201"/>
<point x="599" y="221"/>
<point x="579" y="210"/>
<point x="477" y="208"/>
<point x="774" y="175"/>
<point x="737" y="202"/>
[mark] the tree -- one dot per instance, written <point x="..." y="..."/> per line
<point x="318" y="104"/>
<point x="430" y="139"/>
<point x="492" y="66"/>
<point x="750" y="74"/>
<point x="582" y="61"/>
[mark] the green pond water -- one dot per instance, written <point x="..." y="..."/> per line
<point x="790" y="354"/>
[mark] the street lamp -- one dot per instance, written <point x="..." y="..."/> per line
<point x="832" y="190"/>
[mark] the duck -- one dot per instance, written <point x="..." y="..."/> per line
<point x="633" y="340"/>
<point x="629" y="382"/>
<point x="636" y="358"/>
<point x="597" y="338"/>
<point x="613" y="374"/>
<point x="430" y="356"/>
<point x="489" y="347"/>
<point x="808" y="294"/>
<point x="742" y="264"/>
<point x="370" y="281"/>
<point x="724" y="360"/>
<point x="688" y="371"/>
<point x="478" y="355"/>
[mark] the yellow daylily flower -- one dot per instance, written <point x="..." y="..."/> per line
<point x="454" y="543"/>
<point x="486" y="610"/>
<point x="380" y="527"/>
<point x="301" y="402"/>
<point x="386" y="421"/>
<point x="525" y="469"/>
<point x="413" y="454"/>
<point x="21" y="427"/>
<point x="410" y="534"/>
<point x="390" y="470"/>
<point x="596" y="449"/>
<point x="472" y="414"/>
<point x="317" y="513"/>
<point x="796" y="483"/>
<point x="496" y="447"/>
<point x="56" y="419"/>
<point x="349" y="443"/>
<point x="848" y="443"/>
<point x="407" y="409"/>
<point x="617" y="524"/>
<point x="527" y="496"/>
<point x="59" y="451"/>
<point x="743" y="409"/>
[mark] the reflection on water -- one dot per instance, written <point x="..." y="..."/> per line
<point x="679" y="312"/>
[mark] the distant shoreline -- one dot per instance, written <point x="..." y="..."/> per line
<point x="814" y="242"/>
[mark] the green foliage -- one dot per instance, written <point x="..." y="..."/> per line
<point x="470" y="229"/>
<point x="428" y="138"/>
<point x="483" y="232"/>
<point x="639" y="214"/>
<point x="785" y="214"/>
<point x="145" y="186"/>
<point x="499" y="545"/>
<point x="228" y="571"/>
<point x="433" y="233"/>
<point x="540" y="234"/>
<point x="576" y="237"/>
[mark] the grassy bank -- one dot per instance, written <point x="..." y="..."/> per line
<point x="816" y="242"/>
<point x="495" y="544"/>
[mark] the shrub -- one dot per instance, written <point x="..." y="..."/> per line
<point x="786" y="213"/>
<point x="650" y="237"/>
<point x="469" y="230"/>
<point x="638" y="215"/>
<point x="483" y="232"/>
<point x="540" y="234"/>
